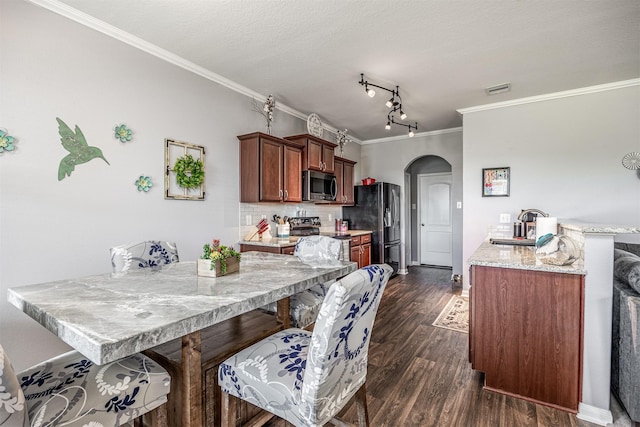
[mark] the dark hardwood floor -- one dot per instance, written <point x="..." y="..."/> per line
<point x="419" y="375"/>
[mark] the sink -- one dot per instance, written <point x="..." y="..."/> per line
<point x="516" y="242"/>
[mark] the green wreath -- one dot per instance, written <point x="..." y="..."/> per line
<point x="189" y="172"/>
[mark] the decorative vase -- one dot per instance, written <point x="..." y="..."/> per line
<point x="205" y="270"/>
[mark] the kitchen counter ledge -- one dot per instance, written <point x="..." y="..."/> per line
<point x="519" y="257"/>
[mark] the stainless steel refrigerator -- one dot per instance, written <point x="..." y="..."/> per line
<point x="377" y="208"/>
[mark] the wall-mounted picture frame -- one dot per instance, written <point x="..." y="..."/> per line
<point x="496" y="182"/>
<point x="184" y="171"/>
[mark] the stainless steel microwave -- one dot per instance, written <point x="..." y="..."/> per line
<point x="317" y="186"/>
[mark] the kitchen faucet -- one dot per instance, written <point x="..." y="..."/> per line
<point x="525" y="212"/>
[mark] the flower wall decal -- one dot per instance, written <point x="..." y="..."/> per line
<point x="144" y="183"/>
<point x="123" y="133"/>
<point x="6" y="141"/>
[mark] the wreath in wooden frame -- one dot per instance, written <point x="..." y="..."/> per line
<point x="189" y="172"/>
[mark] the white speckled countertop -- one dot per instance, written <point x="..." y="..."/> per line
<point x="291" y="241"/>
<point x="600" y="228"/>
<point x="520" y="257"/>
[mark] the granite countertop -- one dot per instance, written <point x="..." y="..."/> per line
<point x="599" y="228"/>
<point x="292" y="240"/>
<point x="520" y="257"/>
<point x="111" y="316"/>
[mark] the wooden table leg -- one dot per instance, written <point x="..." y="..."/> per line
<point x="192" y="380"/>
<point x="283" y="312"/>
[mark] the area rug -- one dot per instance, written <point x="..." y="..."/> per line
<point x="455" y="315"/>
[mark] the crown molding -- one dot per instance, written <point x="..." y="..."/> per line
<point x="407" y="138"/>
<point x="138" y="43"/>
<point x="550" y="96"/>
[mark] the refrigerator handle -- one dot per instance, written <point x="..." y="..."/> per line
<point x="387" y="217"/>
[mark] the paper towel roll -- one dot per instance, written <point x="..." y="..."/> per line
<point x="546" y="225"/>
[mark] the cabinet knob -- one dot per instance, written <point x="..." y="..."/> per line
<point x="280" y="194"/>
<point x="286" y="195"/>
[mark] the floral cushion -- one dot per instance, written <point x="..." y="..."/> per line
<point x="307" y="378"/>
<point x="70" y="390"/>
<point x="149" y="254"/>
<point x="318" y="251"/>
<point x="626" y="268"/>
<point x="13" y="411"/>
<point x="303" y="309"/>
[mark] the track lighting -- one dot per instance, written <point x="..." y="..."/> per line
<point x="411" y="127"/>
<point x="394" y="103"/>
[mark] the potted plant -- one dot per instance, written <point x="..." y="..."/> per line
<point x="218" y="260"/>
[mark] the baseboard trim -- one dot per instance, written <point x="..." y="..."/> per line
<point x="594" y="414"/>
<point x="403" y="271"/>
<point x="465" y="293"/>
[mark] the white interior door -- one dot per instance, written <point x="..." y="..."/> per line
<point x="434" y="219"/>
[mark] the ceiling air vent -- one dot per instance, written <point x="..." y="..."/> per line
<point x="494" y="90"/>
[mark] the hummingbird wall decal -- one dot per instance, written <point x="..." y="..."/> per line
<point x="79" y="151"/>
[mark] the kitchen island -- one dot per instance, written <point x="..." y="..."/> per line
<point x="525" y="329"/>
<point x="596" y="265"/>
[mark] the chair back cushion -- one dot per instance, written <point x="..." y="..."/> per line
<point x="148" y="254"/>
<point x="318" y="250"/>
<point x="70" y="390"/>
<point x="336" y="364"/>
<point x="13" y="411"/>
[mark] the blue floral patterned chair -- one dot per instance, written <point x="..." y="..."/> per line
<point x="317" y="251"/>
<point x="148" y="254"/>
<point x="307" y="378"/>
<point x="70" y="390"/>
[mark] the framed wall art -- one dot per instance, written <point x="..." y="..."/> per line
<point x="495" y="182"/>
<point x="184" y="171"/>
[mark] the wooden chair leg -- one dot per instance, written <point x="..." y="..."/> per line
<point x="361" y="405"/>
<point x="229" y="410"/>
<point x="159" y="416"/>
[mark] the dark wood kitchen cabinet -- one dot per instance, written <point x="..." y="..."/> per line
<point x="270" y="169"/>
<point x="344" y="178"/>
<point x="361" y="250"/>
<point x="317" y="154"/>
<point x="526" y="333"/>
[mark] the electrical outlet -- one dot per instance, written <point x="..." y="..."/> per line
<point x="459" y="205"/>
<point x="330" y="217"/>
<point x="247" y="220"/>
<point x="505" y="218"/>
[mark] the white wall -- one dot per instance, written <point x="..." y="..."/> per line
<point x="49" y="230"/>
<point x="565" y="157"/>
<point x="386" y="161"/>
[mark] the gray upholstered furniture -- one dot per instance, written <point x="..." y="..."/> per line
<point x="307" y="377"/>
<point x="317" y="251"/>
<point x="625" y="346"/>
<point x="71" y="390"/>
<point x="147" y="254"/>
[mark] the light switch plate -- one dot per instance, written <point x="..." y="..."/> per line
<point x="505" y="218"/>
<point x="459" y="205"/>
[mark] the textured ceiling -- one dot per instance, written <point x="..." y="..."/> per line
<point x="309" y="53"/>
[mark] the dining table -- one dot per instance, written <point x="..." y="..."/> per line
<point x="107" y="317"/>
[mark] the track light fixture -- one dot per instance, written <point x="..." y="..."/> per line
<point x="394" y="103"/>
<point x="411" y="127"/>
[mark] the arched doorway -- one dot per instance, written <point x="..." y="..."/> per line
<point x="430" y="204"/>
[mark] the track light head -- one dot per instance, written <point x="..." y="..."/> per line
<point x="370" y="92"/>
<point x="411" y="134"/>
<point x="390" y="102"/>
<point x="403" y="115"/>
<point x="388" y="125"/>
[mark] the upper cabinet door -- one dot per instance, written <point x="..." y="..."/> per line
<point x="314" y="155"/>
<point x="292" y="174"/>
<point x="328" y="159"/>
<point x="271" y="171"/>
<point x="347" y="189"/>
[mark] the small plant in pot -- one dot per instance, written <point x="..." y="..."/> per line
<point x="218" y="260"/>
